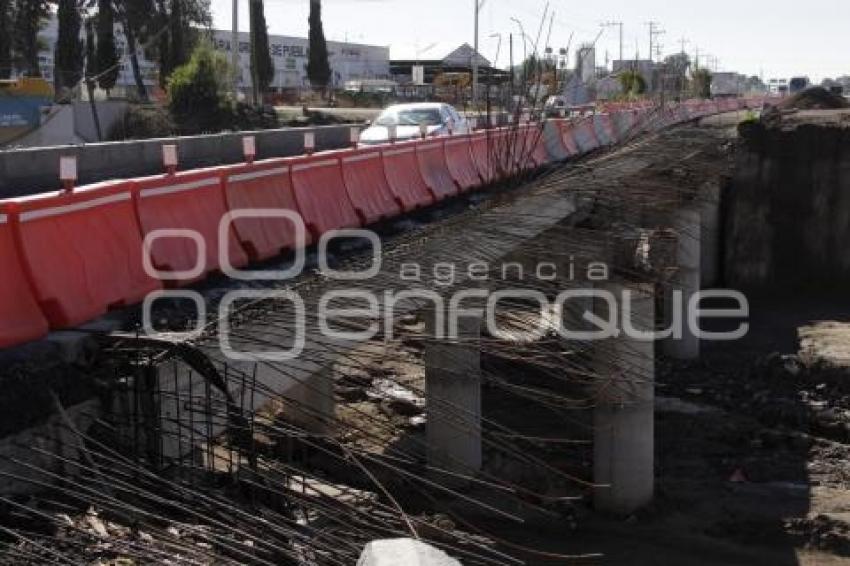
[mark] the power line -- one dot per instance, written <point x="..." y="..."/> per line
<point x="654" y="32"/>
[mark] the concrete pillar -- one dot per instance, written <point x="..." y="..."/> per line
<point x="453" y="396"/>
<point x="686" y="224"/>
<point x="313" y="404"/>
<point x="710" y="235"/>
<point x="623" y="418"/>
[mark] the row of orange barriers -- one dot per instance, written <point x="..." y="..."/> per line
<point x="71" y="257"/>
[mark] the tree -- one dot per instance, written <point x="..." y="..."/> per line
<point x="6" y="16"/>
<point x="30" y="17"/>
<point x="91" y="51"/>
<point x="262" y="66"/>
<point x="184" y="20"/>
<point x="197" y="92"/>
<point x="91" y="73"/>
<point x="107" y="53"/>
<point x="137" y="17"/>
<point x="701" y="83"/>
<point x="674" y="73"/>
<point x="633" y="83"/>
<point x="68" y="55"/>
<point x="318" y="68"/>
<point x="178" y="49"/>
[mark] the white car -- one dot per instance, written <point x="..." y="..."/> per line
<point x="409" y="119"/>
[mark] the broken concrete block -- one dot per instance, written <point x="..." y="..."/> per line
<point x="410" y="552"/>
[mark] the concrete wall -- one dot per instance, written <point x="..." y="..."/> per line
<point x="788" y="210"/>
<point x="35" y="170"/>
<point x="109" y="112"/>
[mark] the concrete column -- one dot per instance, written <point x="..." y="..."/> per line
<point x="710" y="235"/>
<point x="453" y="395"/>
<point x="313" y="404"/>
<point x="686" y="224"/>
<point x="623" y="418"/>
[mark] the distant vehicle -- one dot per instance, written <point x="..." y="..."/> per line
<point x="371" y="86"/>
<point x="409" y="119"/>
<point x="798" y="84"/>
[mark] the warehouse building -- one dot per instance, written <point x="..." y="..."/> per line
<point x="348" y="61"/>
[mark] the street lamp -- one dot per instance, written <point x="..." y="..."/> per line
<point x="498" y="47"/>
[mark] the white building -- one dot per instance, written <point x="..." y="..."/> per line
<point x="348" y="61"/>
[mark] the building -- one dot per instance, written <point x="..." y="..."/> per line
<point x="728" y="84"/>
<point x="586" y="63"/>
<point x="348" y="61"/>
<point x="410" y="65"/>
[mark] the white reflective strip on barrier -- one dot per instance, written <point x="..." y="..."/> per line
<point x="3" y="218"/>
<point x="398" y="152"/>
<point x="258" y="174"/>
<point x="305" y="166"/>
<point x="57" y="210"/>
<point x="179" y="188"/>
<point x="355" y="158"/>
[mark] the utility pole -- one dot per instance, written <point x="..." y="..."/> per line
<point x="683" y="41"/>
<point x="512" y="67"/>
<point x="234" y="51"/>
<point x="620" y="25"/>
<point x="654" y="32"/>
<point x="478" y="5"/>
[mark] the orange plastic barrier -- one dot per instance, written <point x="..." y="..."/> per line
<point x="604" y="129"/>
<point x="264" y="185"/>
<point x="367" y="186"/>
<point x="321" y="196"/>
<point x="483" y="156"/>
<point x="432" y="165"/>
<point x="460" y="163"/>
<point x="505" y="151"/>
<point x="585" y="135"/>
<point x="192" y="202"/>
<point x="82" y="252"/>
<point x="536" y="146"/>
<point x="20" y="318"/>
<point x="554" y="140"/>
<point x="403" y="176"/>
<point x="624" y="123"/>
<point x="568" y="137"/>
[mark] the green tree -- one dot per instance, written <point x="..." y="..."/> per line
<point x="178" y="51"/>
<point x="318" y="68"/>
<point x="184" y="22"/>
<point x="107" y="53"/>
<point x="197" y="92"/>
<point x="68" y="55"/>
<point x="262" y="66"/>
<point x="701" y="83"/>
<point x="91" y="50"/>
<point x="30" y="18"/>
<point x="137" y="18"/>
<point x="91" y="73"/>
<point x="6" y="18"/>
<point x="633" y="83"/>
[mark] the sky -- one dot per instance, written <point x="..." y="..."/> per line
<point x="775" y="39"/>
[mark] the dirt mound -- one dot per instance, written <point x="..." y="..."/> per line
<point x="816" y="98"/>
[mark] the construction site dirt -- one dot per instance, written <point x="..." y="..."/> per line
<point x="751" y="441"/>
